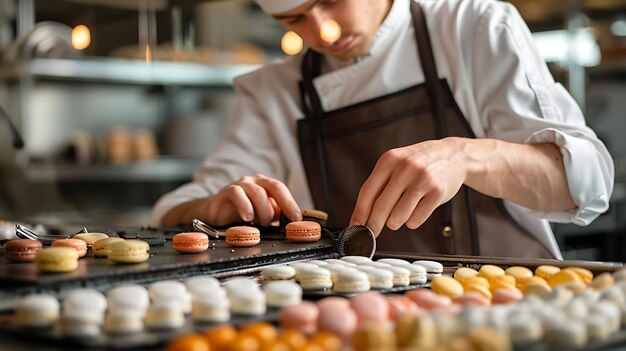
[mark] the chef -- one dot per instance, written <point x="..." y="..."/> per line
<point x="435" y="123"/>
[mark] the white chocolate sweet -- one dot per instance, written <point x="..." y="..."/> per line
<point x="570" y="334"/>
<point x="525" y="330"/>
<point x="282" y="293"/>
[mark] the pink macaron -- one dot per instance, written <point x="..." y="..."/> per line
<point x="428" y="300"/>
<point x="370" y="307"/>
<point x="191" y="242"/>
<point x="336" y="318"/>
<point x="22" y="250"/>
<point x="472" y="298"/>
<point x="399" y="305"/>
<point x="501" y="296"/>
<point x="79" y="245"/>
<point x="301" y="317"/>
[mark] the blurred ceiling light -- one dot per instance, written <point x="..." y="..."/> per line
<point x="618" y="27"/>
<point x="553" y="46"/>
<point x="330" y="31"/>
<point x="81" y="37"/>
<point x="291" y="43"/>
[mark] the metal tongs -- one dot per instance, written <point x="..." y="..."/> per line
<point x="207" y="229"/>
<point x="46" y="239"/>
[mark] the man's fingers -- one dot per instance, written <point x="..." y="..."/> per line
<point x="403" y="209"/>
<point x="258" y="196"/>
<point x="279" y="192"/>
<point x="370" y="190"/>
<point x="424" y="209"/>
<point x="231" y="197"/>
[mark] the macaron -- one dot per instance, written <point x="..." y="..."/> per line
<point x="85" y="300"/>
<point x="303" y="231"/>
<point x="351" y="281"/>
<point x="211" y="306"/>
<point x="200" y="284"/>
<point x="279" y="272"/>
<point x="128" y="297"/>
<point x="101" y="248"/>
<point x="188" y="342"/>
<point x="76" y="323"/>
<point x="447" y="286"/>
<point x="79" y="245"/>
<point x="39" y="311"/>
<point x="370" y="307"/>
<point x="282" y="293"/>
<point x="546" y="271"/>
<point x="242" y="236"/>
<point x="171" y="290"/>
<point x="90" y="238"/>
<point x="192" y="242"/>
<point x="394" y="261"/>
<point x="301" y="317"/>
<point x="22" y="250"/>
<point x="433" y="268"/>
<point x="315" y="216"/>
<point x="490" y="271"/>
<point x="379" y="278"/>
<point x="123" y="321"/>
<point x="315" y="278"/>
<point x="337" y="317"/>
<point x="129" y="251"/>
<point x="57" y="259"/>
<point x="356" y="259"/>
<point x="164" y="314"/>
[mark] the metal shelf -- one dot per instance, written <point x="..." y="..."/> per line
<point x="165" y="169"/>
<point x="127" y="71"/>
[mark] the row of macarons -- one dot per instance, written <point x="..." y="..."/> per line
<point x="424" y="319"/>
<point x="352" y="274"/>
<point x="162" y="305"/>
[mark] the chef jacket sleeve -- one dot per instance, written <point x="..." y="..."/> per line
<point x="519" y="101"/>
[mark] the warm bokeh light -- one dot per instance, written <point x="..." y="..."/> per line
<point x="148" y="54"/>
<point x="81" y="37"/>
<point x="330" y="31"/>
<point x="291" y="43"/>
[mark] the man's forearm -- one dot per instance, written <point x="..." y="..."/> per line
<point x="531" y="175"/>
<point x="183" y="213"/>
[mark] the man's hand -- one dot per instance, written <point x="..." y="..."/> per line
<point x="252" y="198"/>
<point x="409" y="183"/>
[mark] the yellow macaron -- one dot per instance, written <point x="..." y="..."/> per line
<point x="129" y="251"/>
<point x="57" y="259"/>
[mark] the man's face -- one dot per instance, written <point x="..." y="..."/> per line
<point x="358" y="19"/>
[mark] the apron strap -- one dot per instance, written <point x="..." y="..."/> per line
<point x="436" y="97"/>
<point x="313" y="112"/>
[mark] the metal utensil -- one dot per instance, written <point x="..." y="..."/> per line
<point x="46" y="239"/>
<point x="207" y="229"/>
<point x="356" y="240"/>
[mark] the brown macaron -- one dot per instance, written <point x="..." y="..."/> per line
<point x="22" y="250"/>
<point x="303" y="231"/>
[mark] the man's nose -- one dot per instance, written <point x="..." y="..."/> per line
<point x="317" y="19"/>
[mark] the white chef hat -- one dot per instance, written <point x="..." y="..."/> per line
<point x="273" y="7"/>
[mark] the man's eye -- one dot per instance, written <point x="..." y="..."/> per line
<point x="295" y="20"/>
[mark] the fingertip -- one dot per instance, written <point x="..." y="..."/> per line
<point x="296" y="216"/>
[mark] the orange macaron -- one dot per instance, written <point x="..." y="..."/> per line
<point x="243" y="236"/>
<point x="192" y="242"/>
<point x="79" y="245"/>
<point x="303" y="231"/>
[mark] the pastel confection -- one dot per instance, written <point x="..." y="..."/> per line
<point x="39" y="311"/>
<point x="427" y="299"/>
<point x="315" y="278"/>
<point x="221" y="337"/>
<point x="481" y="289"/>
<point x="373" y="337"/>
<point x="318" y="262"/>
<point x="609" y="310"/>
<point x="563" y="277"/>
<point x="101" y="248"/>
<point x="584" y="274"/>
<point x="280" y="272"/>
<point x="521" y="274"/>
<point x="472" y="316"/>
<point x="82" y="300"/>
<point x="335" y="268"/>
<point x="22" y="250"/>
<point x="282" y="293"/>
<point x="79" y="245"/>
<point x="120" y="321"/>
<point x="370" y="307"/>
<point x="57" y="259"/>
<point x="301" y="317"/>
<point x="575" y="286"/>
<point x="476" y="281"/>
<point x="337" y="317"/>
<point x="463" y="273"/>
<point x="315" y="216"/>
<point x="546" y="271"/>
<point x="246" y="299"/>
<point x="201" y="284"/>
<point x="576" y="308"/>
<point x="447" y="286"/>
<point x="394" y="261"/>
<point x="341" y="262"/>
<point x="538" y="289"/>
<point x="507" y="295"/>
<point x="245" y="342"/>
<point x="378" y="278"/>
<point x="433" y="269"/>
<point x="210" y="306"/>
<point x="602" y="281"/>
<point x="489" y="271"/>
<point x="598" y="327"/>
<point x="335" y="301"/>
<point x="327" y="341"/>
<point x="129" y="251"/>
<point x="357" y="259"/>
<point x="484" y="338"/>
<point x="572" y="334"/>
<point x="620" y="275"/>
<point x="263" y="331"/>
<point x="81" y="323"/>
<point x="399" y="305"/>
<point x="129" y="297"/>
<point x="351" y="281"/>
<point x="472" y="298"/>
<point x="191" y="242"/>
<point x="447" y="325"/>
<point x="188" y="342"/>
<point x="416" y="331"/>
<point x="303" y="231"/>
<point x="417" y="274"/>
<point x="559" y="296"/>
<point x="591" y="296"/>
<point x="614" y="294"/>
<point x="171" y="290"/>
<point x="242" y="236"/>
<point x="90" y="238"/>
<point x="164" y="314"/>
<point x="401" y="276"/>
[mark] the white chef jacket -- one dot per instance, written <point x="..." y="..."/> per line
<point x="498" y="78"/>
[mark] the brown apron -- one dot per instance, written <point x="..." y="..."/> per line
<point x="340" y="148"/>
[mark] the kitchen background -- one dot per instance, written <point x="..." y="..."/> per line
<point x="118" y="100"/>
